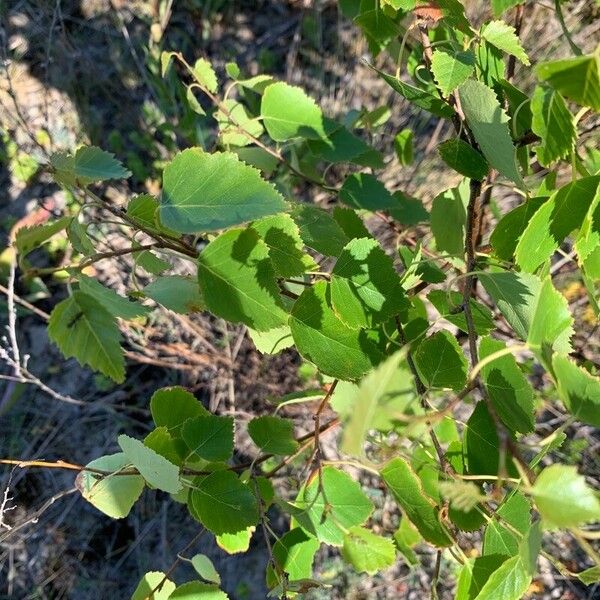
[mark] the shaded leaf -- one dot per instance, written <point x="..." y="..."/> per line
<point x="368" y="552"/>
<point x="209" y="437"/>
<point x="177" y="293"/>
<point x="273" y="435"/>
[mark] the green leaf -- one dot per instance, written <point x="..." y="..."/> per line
<point x="451" y="69"/>
<point x="500" y="6"/>
<point x="587" y="243"/>
<point x="237" y="280"/>
<point x="405" y="538"/>
<point x="554" y="124"/>
<point x="150" y="262"/>
<point x="153" y="467"/>
<point x="195" y="590"/>
<point x="294" y="553"/>
<point x="463" y="158"/>
<point x="330" y="505"/>
<point x="365" y="288"/>
<point x="552" y="322"/>
<point x="272" y="341"/>
<point x="234" y="543"/>
<point x="590" y="576"/>
<point x="273" y="435"/>
<point x="448" y="219"/>
<point x="116" y="305"/>
<point x="209" y="437"/>
<point x="575" y="78"/>
<point x="513" y="518"/>
<point x="407" y="210"/>
<point x="407" y="489"/>
<point x="205" y="75"/>
<point x="222" y="503"/>
<point x="419" y="97"/>
<point x="319" y="230"/>
<point x="366" y="403"/>
<point x="144" y="209"/>
<point x="81" y="327"/>
<point x="205" y="568"/>
<point x="234" y="121"/>
<point x="506" y="234"/>
<point x="368" y="552"/>
<point x="89" y="164"/>
<point x="449" y="305"/>
<point x="149" y="582"/>
<point x="490" y="65"/>
<point x="325" y="340"/>
<point x="481" y="446"/>
<point x="579" y="390"/>
<point x="288" y="112"/>
<point x="114" y="495"/>
<point x="403" y="145"/>
<point x="163" y="443"/>
<point x="351" y="224"/>
<point x="441" y="362"/>
<point x="343" y="146"/>
<point x="172" y="406"/>
<point x="282" y="235"/>
<point x="207" y="192"/>
<point x="505" y="38"/>
<point x="489" y="124"/>
<point x="507" y="387"/>
<point x="523" y="298"/>
<point x="509" y="582"/>
<point x="177" y="293"/>
<point x="29" y="238"/>
<point x="364" y="191"/>
<point x="561" y="214"/>
<point x="474" y="574"/>
<point x="564" y="499"/>
<point x="79" y="239"/>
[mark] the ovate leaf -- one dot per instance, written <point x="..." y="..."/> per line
<point x="364" y="191"/>
<point x="417" y="96"/>
<point x="489" y="124"/>
<point x="272" y="341"/>
<point x="513" y="518"/>
<point x="441" y="362"/>
<point x="116" y="305"/>
<point x="29" y="238"/>
<point x="365" y="287"/>
<point x="463" y="158"/>
<point x="205" y="75"/>
<point x="403" y="145"/>
<point x="448" y="218"/>
<point x="273" y="434"/>
<point x="89" y="164"/>
<point x="578" y="389"/>
<point x="449" y="306"/>
<point x="553" y="123"/>
<point x="319" y="230"/>
<point x="504" y="37"/>
<point x="575" y="78"/>
<point x="451" y="69"/>
<point x="113" y="494"/>
<point x="209" y="437"/>
<point x="81" y="327"/>
<point x="150" y="582"/>
<point x="207" y="192"/>
<point x="288" y="112"/>
<point x="153" y="467"/>
<point x="368" y="552"/>
<point x="177" y="293"/>
<point x="237" y="280"/>
<point x="562" y="213"/>
<point x="196" y="590"/>
<point x="564" y="499"/>
<point x="330" y="505"/>
<point x="282" y="235"/>
<point x="222" y="503"/>
<point x="507" y="387"/>
<point x="294" y="553"/>
<point x="172" y="406"/>
<point x="416" y="506"/>
<point x="205" y="568"/>
<point x="509" y="582"/>
<point x="325" y="340"/>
